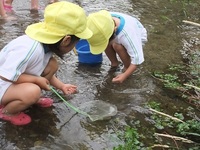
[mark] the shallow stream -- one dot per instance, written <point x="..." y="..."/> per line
<point x="59" y="127"/>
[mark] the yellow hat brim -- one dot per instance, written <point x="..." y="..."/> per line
<point x="98" y="49"/>
<point x="38" y="32"/>
<point x="86" y="34"/>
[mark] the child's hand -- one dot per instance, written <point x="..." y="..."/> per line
<point x="43" y="83"/>
<point x="69" y="89"/>
<point x="119" y="78"/>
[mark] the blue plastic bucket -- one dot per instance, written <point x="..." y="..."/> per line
<point x="84" y="54"/>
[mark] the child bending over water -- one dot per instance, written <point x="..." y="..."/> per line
<point x="27" y="65"/>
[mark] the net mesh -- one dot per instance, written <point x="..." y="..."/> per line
<point x="98" y="110"/>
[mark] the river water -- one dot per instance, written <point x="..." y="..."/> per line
<point x="59" y="127"/>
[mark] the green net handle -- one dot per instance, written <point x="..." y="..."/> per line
<point x="70" y="105"/>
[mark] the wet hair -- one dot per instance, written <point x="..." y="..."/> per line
<point x="55" y="47"/>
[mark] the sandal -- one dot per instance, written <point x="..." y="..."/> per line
<point x="45" y="102"/>
<point x="19" y="119"/>
<point x="8" y="8"/>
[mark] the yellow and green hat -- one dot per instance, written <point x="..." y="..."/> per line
<point x="60" y="19"/>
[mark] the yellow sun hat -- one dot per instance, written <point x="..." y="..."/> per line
<point x="102" y="26"/>
<point x="60" y="19"/>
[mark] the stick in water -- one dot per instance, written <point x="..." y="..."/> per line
<point x="192" y="23"/>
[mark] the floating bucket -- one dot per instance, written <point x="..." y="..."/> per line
<point x="84" y="54"/>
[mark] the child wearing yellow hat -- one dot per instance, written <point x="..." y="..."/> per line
<point x="118" y="34"/>
<point x="27" y="65"/>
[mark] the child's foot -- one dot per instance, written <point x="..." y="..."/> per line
<point x="18" y="119"/>
<point x="33" y="10"/>
<point x="115" y="67"/>
<point x="36" y="9"/>
<point x="116" y="64"/>
<point x="45" y="102"/>
<point x="8" y="8"/>
<point x="52" y="1"/>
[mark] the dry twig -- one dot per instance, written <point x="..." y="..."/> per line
<point x="175" y="137"/>
<point x="159" y="145"/>
<point x="192" y="23"/>
<point x="195" y="87"/>
<point x="166" y="115"/>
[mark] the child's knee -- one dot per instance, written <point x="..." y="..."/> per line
<point x="117" y="47"/>
<point x="32" y="93"/>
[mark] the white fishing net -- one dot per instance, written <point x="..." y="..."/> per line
<point x="98" y="110"/>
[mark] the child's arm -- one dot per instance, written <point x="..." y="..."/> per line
<point x="121" y="77"/>
<point x="42" y="82"/>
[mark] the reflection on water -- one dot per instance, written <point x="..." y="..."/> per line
<point x="60" y="127"/>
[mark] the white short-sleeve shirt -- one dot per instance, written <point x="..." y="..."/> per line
<point x="21" y="55"/>
<point x="132" y="35"/>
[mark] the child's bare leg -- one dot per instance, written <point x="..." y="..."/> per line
<point x="34" y="5"/>
<point x="52" y="1"/>
<point x="50" y="69"/>
<point x="19" y="97"/>
<point x="2" y="11"/>
<point x="112" y="56"/>
<point x="121" y="51"/>
<point x="8" y="2"/>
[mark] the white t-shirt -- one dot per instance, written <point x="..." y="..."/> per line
<point x="21" y="55"/>
<point x="132" y="35"/>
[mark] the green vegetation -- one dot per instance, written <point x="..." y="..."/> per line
<point x="131" y="140"/>
<point x="186" y="131"/>
<point x="183" y="80"/>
